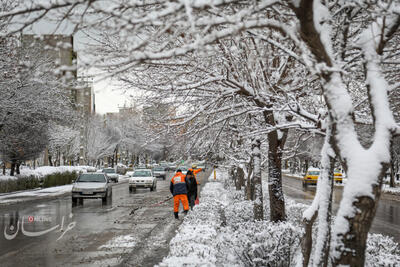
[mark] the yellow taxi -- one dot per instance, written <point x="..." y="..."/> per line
<point x="311" y="176"/>
<point x="338" y="177"/>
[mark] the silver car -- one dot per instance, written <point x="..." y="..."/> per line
<point x="111" y="174"/>
<point x="91" y="185"/>
<point x="159" y="172"/>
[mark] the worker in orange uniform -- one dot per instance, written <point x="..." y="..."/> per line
<point x="179" y="189"/>
<point x="195" y="171"/>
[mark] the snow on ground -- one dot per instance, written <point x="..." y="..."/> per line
<point x="32" y="194"/>
<point x="220" y="232"/>
<point x="40" y="172"/>
<point x="123" y="241"/>
<point x="47" y="170"/>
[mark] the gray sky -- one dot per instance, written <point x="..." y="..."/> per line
<point x="107" y="95"/>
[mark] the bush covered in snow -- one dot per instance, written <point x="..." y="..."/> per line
<point x="221" y="232"/>
<point x="41" y="177"/>
<point x="382" y="251"/>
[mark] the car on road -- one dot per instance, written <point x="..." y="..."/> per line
<point x="111" y="174"/>
<point x="311" y="177"/>
<point x="141" y="166"/>
<point x="129" y="173"/>
<point x="142" y="178"/>
<point x="171" y="166"/>
<point x="160" y="172"/>
<point x="91" y="185"/>
<point x="338" y="177"/>
<point x="312" y="174"/>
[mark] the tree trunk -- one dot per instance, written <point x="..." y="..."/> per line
<point x="392" y="172"/>
<point x="276" y="198"/>
<point x="306" y="241"/>
<point x="50" y="160"/>
<point x="257" y="181"/>
<point x="4" y="168"/>
<point x="12" y="170"/>
<point x="249" y="184"/>
<point x="240" y="178"/>
<point x="355" y="238"/>
<point x="17" y="168"/>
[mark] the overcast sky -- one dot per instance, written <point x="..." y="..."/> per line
<point x="107" y="96"/>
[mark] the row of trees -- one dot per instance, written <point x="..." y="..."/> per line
<point x="241" y="74"/>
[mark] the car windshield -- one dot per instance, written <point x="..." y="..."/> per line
<point x="91" y="178"/>
<point x="141" y="174"/>
<point x="158" y="169"/>
<point x="109" y="170"/>
<point x="313" y="173"/>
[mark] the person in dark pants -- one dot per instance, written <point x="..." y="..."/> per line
<point x="179" y="189"/>
<point x="192" y="188"/>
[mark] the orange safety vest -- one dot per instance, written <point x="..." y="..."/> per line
<point x="178" y="184"/>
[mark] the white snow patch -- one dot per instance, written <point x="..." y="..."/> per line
<point x="123" y="241"/>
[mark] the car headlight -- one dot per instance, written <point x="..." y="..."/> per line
<point x="101" y="189"/>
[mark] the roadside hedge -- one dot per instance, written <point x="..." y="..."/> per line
<point x="32" y="182"/>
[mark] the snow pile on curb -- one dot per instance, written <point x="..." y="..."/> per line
<point x="220" y="232"/>
<point x="41" y="172"/>
<point x="390" y="190"/>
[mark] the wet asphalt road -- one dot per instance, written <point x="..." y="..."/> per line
<point x="387" y="218"/>
<point x="134" y="229"/>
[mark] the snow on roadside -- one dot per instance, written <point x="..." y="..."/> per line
<point x="41" y="172"/>
<point x="391" y="190"/>
<point x="123" y="241"/>
<point x="47" y="170"/>
<point x="220" y="232"/>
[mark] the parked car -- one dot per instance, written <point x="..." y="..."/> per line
<point x="143" y="178"/>
<point x="111" y="174"/>
<point x="91" y="185"/>
<point x="160" y="172"/>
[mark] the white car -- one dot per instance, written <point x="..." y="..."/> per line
<point x="159" y="172"/>
<point x="111" y="174"/>
<point x="91" y="185"/>
<point x="143" y="178"/>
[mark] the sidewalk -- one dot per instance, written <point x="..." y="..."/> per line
<point x="220" y="231"/>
